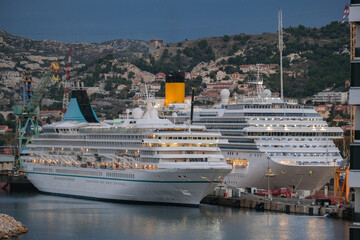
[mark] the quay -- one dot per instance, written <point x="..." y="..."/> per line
<point x="309" y="207"/>
<point x="15" y="181"/>
<point x="10" y="180"/>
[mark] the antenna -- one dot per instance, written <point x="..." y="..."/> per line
<point x="66" y="85"/>
<point x="281" y="48"/>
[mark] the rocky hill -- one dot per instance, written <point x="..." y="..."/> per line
<point x="14" y="46"/>
<point x="19" y="54"/>
<point x="320" y="59"/>
<point x="323" y="56"/>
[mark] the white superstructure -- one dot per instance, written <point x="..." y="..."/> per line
<point x="271" y="142"/>
<point x="144" y="159"/>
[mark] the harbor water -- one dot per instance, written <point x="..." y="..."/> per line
<point x="54" y="217"/>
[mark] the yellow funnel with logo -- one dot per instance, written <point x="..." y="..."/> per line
<point x="175" y="88"/>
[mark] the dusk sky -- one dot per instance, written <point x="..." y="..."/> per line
<point x="170" y="20"/>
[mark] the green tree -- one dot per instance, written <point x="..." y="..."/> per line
<point x="203" y="44"/>
<point x="226" y="38"/>
<point x="131" y="75"/>
<point x="108" y="85"/>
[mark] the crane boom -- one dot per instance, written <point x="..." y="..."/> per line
<point x="39" y="93"/>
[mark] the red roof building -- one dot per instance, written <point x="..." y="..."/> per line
<point x="340" y="108"/>
<point x="160" y="77"/>
<point x="3" y="129"/>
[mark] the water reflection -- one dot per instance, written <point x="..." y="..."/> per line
<point x="50" y="217"/>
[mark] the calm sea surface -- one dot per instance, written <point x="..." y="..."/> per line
<point x="53" y="217"/>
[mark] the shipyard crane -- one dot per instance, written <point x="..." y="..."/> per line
<point x="346" y="13"/>
<point x="27" y="115"/>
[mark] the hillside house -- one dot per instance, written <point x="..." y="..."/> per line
<point x="236" y="77"/>
<point x="208" y="96"/>
<point x="293" y="56"/>
<point x="160" y="77"/>
<point x="135" y="87"/>
<point x="3" y="129"/>
<point x="220" y="75"/>
<point x="341" y="109"/>
<point x="154" y="87"/>
<point x="206" y="79"/>
<point x="331" y="97"/>
<point x="220" y="86"/>
<point x="323" y="110"/>
<point x="121" y="87"/>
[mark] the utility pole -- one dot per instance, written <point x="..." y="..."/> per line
<point x="67" y="85"/>
<point x="192" y="104"/>
<point x="281" y="48"/>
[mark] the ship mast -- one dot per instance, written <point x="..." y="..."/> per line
<point x="281" y="48"/>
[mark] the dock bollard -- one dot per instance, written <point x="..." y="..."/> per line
<point x="311" y="211"/>
<point x="287" y="209"/>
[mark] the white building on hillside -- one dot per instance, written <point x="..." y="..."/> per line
<point x="331" y="97"/>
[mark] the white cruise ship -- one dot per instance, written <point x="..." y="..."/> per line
<point x="272" y="143"/>
<point x="143" y="158"/>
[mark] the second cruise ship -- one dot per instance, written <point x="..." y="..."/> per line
<point x="272" y="142"/>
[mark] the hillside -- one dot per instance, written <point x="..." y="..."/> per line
<point x="322" y="60"/>
<point x="14" y="46"/>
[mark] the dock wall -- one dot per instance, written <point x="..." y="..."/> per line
<point x="285" y="207"/>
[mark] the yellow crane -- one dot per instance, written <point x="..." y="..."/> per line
<point x="342" y="191"/>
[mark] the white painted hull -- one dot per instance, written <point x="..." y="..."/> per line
<point x="159" y="186"/>
<point x="296" y="177"/>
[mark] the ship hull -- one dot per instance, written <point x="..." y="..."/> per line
<point x="167" y="186"/>
<point x="294" y="177"/>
